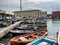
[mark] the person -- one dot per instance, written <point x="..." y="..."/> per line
<point x="57" y="38"/>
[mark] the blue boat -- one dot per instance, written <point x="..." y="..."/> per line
<point x="43" y="41"/>
<point x="15" y="20"/>
<point x="3" y="25"/>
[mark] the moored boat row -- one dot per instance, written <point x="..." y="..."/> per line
<point x="26" y="27"/>
<point x="26" y="38"/>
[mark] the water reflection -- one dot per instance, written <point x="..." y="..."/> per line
<point x="53" y="27"/>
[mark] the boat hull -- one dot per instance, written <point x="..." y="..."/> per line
<point x="20" y="32"/>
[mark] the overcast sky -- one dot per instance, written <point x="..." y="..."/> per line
<point x="45" y="5"/>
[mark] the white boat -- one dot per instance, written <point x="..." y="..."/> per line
<point x="21" y="30"/>
<point x="2" y="44"/>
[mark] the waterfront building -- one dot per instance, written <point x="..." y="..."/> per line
<point x="31" y="13"/>
<point x="54" y="15"/>
<point x="49" y="16"/>
<point x="6" y="15"/>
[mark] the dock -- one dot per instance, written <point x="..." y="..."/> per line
<point x="4" y="31"/>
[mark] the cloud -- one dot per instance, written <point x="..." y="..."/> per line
<point x="40" y="0"/>
<point x="45" y="5"/>
<point x="48" y="6"/>
<point x="9" y="5"/>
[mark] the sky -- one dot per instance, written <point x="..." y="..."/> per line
<point x="44" y="5"/>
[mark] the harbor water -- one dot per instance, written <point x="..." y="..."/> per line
<point x="52" y="27"/>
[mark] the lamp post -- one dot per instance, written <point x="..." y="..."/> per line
<point x="20" y="5"/>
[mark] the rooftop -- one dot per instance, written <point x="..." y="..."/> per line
<point x="27" y="10"/>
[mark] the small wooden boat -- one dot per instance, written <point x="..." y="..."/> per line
<point x="15" y="20"/>
<point x="19" y="32"/>
<point x="22" y="30"/>
<point x="27" y="38"/>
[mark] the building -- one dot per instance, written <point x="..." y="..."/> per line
<point x="31" y="13"/>
<point x="6" y="15"/>
<point x="49" y="16"/>
<point x="54" y="15"/>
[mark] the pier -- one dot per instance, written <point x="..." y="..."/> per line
<point x="4" y="31"/>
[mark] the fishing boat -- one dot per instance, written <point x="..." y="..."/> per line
<point x="43" y="41"/>
<point x="40" y="23"/>
<point x="3" y="24"/>
<point x="27" y="38"/>
<point x="15" y="20"/>
<point x="22" y="30"/>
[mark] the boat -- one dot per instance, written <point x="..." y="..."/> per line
<point x="22" y="30"/>
<point x="2" y="44"/>
<point x="15" y="20"/>
<point x="43" y="41"/>
<point x="27" y="38"/>
<point x="40" y="23"/>
<point x="6" y="23"/>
